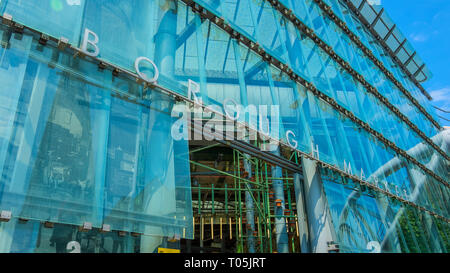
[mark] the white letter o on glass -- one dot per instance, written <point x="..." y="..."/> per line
<point x="142" y="75"/>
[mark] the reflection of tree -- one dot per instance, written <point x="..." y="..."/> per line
<point x="415" y="233"/>
<point x="406" y="224"/>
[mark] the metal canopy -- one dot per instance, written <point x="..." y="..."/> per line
<point x="381" y="23"/>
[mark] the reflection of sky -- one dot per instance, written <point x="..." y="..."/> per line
<point x="58" y="5"/>
<point x="425" y="24"/>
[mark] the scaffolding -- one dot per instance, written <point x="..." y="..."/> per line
<point x="235" y="206"/>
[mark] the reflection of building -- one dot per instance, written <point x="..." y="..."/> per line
<point x="89" y="163"/>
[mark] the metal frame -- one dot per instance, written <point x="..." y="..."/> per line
<point x="358" y="77"/>
<point x="206" y="14"/>
<point x="382" y="41"/>
<point x="117" y="71"/>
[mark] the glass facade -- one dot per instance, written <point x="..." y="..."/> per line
<point x="80" y="145"/>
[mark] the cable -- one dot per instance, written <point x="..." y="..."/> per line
<point x="445" y="111"/>
<point x="443" y="118"/>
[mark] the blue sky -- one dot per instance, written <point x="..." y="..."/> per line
<point x="426" y="25"/>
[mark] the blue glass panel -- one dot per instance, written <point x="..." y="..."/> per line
<point x="76" y="151"/>
<point x="59" y="18"/>
<point x="126" y="31"/>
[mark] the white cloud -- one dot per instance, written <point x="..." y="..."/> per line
<point x="374" y="2"/>
<point x="418" y="37"/>
<point x="441" y="99"/>
<point x="441" y="95"/>
<point x="73" y="2"/>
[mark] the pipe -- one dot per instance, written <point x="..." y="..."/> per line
<point x="249" y="207"/>
<point x="280" y="222"/>
<point x="417" y="151"/>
